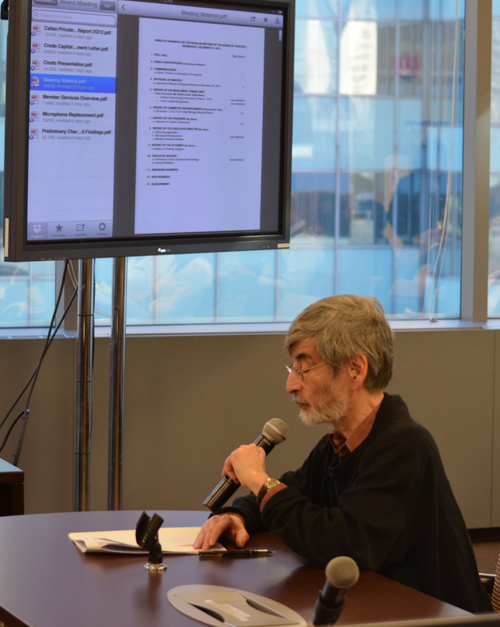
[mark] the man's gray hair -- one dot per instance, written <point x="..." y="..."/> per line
<point x="344" y="326"/>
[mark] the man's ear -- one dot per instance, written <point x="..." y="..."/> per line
<point x="358" y="368"/>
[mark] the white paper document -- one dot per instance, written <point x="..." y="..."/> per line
<point x="172" y="539"/>
<point x="199" y="127"/>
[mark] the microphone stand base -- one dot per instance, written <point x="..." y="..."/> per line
<point x="155" y="568"/>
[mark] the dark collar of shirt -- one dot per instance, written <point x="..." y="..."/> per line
<point x="343" y="446"/>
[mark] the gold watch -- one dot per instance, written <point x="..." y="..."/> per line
<point x="266" y="486"/>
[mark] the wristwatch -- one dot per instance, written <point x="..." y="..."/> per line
<point x="266" y="486"/>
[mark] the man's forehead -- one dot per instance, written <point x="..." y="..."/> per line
<point x="304" y="349"/>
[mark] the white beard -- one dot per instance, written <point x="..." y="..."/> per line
<point x="332" y="408"/>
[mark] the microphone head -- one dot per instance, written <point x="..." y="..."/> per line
<point x="275" y="430"/>
<point x="342" y="572"/>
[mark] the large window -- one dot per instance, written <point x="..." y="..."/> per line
<point x="377" y="184"/>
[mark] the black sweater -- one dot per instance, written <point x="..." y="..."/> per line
<point x="388" y="505"/>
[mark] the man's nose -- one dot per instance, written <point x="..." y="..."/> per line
<point x="293" y="383"/>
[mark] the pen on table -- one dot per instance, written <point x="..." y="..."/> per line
<point x="241" y="553"/>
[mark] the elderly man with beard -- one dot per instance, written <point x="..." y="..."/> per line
<point x="374" y="488"/>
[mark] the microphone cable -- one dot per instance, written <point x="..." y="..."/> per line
<point x="51" y="334"/>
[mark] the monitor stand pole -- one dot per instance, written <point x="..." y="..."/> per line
<point x="85" y="356"/>
<point x="116" y="383"/>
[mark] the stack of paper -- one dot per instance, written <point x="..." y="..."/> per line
<point x="177" y="540"/>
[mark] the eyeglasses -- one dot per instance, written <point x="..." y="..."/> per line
<point x="301" y="373"/>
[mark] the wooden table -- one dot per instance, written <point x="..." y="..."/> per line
<point x="45" y="581"/>
<point x="11" y="489"/>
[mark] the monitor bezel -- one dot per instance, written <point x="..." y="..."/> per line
<point x="16" y="245"/>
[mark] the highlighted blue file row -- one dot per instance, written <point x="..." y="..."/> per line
<point x="58" y="82"/>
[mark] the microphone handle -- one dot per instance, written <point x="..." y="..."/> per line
<point x="331" y="596"/>
<point x="225" y="489"/>
<point x="263" y="442"/>
<point x="324" y="615"/>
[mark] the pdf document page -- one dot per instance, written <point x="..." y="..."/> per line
<point x="199" y="127"/>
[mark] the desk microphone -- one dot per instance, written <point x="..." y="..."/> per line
<point x="341" y="574"/>
<point x="273" y="432"/>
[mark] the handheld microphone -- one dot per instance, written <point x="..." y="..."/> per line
<point x="341" y="574"/>
<point x="273" y="432"/>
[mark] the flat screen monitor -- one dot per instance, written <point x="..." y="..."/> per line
<point x="143" y="128"/>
